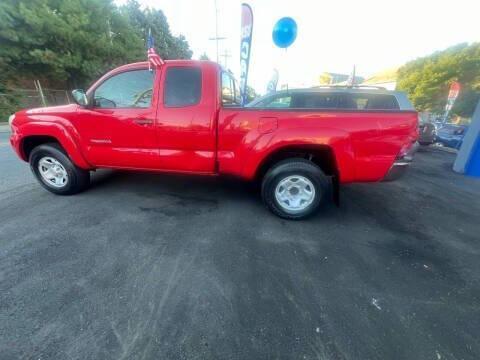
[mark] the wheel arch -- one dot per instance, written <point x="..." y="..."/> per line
<point x="28" y="143"/>
<point x="37" y="134"/>
<point x="321" y="155"/>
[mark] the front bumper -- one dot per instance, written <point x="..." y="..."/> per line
<point x="400" y="166"/>
<point x="15" y="142"/>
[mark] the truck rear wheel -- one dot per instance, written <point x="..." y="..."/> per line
<point x="294" y="188"/>
<point x="56" y="172"/>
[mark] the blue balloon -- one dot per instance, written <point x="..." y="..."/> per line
<point x="284" y="32"/>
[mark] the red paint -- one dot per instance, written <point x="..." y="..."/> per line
<point x="208" y="139"/>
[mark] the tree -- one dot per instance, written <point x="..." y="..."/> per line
<point x="427" y="80"/>
<point x="8" y="101"/>
<point x="251" y="94"/>
<point x="204" y="56"/>
<point x="167" y="45"/>
<point x="71" y="42"/>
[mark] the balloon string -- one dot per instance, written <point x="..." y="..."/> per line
<point x="286" y="58"/>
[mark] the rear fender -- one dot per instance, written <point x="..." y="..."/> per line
<point x="337" y="140"/>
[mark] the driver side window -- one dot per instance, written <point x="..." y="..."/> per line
<point x="130" y="89"/>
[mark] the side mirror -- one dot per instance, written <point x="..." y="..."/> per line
<point x="80" y="97"/>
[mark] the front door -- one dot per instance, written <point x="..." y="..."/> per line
<point x="119" y="129"/>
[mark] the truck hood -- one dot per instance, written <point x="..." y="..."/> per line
<point x="62" y="109"/>
<point x="44" y="114"/>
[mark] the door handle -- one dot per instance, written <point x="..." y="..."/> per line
<point x="144" y="122"/>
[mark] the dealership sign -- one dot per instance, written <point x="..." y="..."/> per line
<point x="245" y="46"/>
<point x="272" y="84"/>
<point x="452" y="95"/>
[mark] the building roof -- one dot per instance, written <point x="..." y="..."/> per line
<point x="385" y="76"/>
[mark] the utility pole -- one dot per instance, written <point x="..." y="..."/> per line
<point x="216" y="38"/>
<point x="226" y="54"/>
<point x="109" y="31"/>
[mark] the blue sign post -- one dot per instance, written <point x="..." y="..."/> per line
<point x="245" y="46"/>
<point x="473" y="166"/>
<point x="468" y="158"/>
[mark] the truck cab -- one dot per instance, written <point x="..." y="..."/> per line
<point x="134" y="122"/>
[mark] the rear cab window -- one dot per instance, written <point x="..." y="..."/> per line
<point x="183" y="86"/>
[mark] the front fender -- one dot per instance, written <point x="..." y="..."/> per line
<point x="56" y="127"/>
<point x="337" y="140"/>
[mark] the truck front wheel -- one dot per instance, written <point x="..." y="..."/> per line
<point x="56" y="172"/>
<point x="294" y="188"/>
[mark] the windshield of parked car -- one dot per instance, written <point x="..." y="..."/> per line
<point x="452" y="129"/>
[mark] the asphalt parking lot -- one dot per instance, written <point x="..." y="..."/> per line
<point x="147" y="266"/>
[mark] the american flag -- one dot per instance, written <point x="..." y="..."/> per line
<point x="153" y="58"/>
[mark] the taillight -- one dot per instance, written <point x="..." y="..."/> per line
<point x="418" y="124"/>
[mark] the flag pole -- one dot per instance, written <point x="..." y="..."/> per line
<point x="153" y="58"/>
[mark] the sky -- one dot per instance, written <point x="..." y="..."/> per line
<point x="333" y="36"/>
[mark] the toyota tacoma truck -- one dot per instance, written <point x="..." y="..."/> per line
<point x="184" y="116"/>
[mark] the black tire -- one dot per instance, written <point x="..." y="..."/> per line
<point x="78" y="179"/>
<point x="292" y="167"/>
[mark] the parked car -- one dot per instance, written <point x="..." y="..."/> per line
<point x="451" y="135"/>
<point x="184" y="116"/>
<point x="427" y="132"/>
<point x="335" y="98"/>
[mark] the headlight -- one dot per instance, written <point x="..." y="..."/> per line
<point x="10" y="119"/>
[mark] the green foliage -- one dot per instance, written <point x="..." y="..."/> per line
<point x="251" y="94"/>
<point x="167" y="45"/>
<point x="427" y="80"/>
<point x="75" y="41"/>
<point x="8" y="102"/>
<point x="204" y="56"/>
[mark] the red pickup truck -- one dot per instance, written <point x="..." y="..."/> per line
<point x="184" y="116"/>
